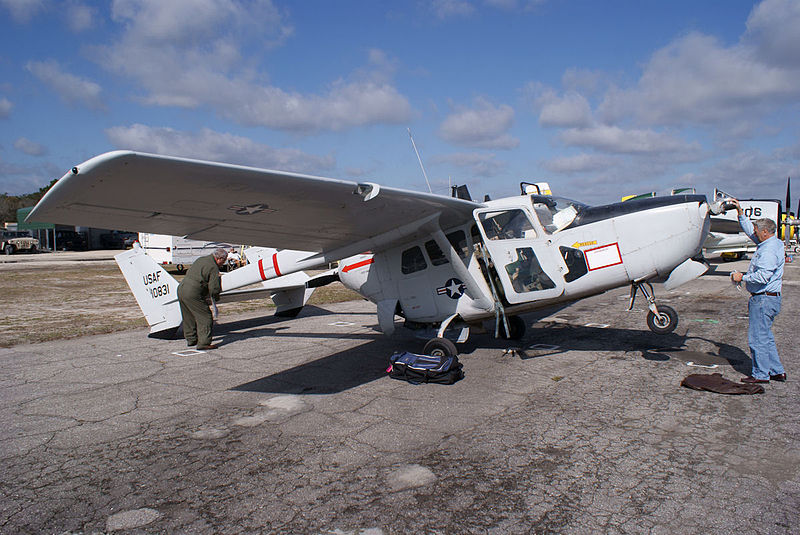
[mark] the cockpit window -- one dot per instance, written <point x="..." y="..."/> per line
<point x="507" y="225"/>
<point x="555" y="213"/>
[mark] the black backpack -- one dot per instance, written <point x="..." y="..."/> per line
<point x="418" y="369"/>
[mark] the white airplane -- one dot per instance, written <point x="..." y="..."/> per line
<point x="446" y="262"/>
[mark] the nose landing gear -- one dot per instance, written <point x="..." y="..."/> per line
<point x="660" y="319"/>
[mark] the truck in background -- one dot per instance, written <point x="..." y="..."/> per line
<point x="176" y="252"/>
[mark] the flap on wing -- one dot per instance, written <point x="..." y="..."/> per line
<point x="223" y="202"/>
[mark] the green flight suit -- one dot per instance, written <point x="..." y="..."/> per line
<point x="201" y="282"/>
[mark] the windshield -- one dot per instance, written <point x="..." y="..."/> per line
<point x="555" y="213"/>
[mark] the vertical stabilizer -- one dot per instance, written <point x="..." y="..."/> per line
<point x="155" y="290"/>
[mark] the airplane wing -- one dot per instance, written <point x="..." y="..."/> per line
<point x="222" y="202"/>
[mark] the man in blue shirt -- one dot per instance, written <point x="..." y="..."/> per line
<point x="763" y="281"/>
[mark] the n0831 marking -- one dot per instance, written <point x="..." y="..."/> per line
<point x="158" y="291"/>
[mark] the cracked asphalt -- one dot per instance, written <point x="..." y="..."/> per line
<point x="294" y="427"/>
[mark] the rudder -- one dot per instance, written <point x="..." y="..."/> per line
<point x="155" y="290"/>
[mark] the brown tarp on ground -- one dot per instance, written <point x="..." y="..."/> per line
<point x="715" y="382"/>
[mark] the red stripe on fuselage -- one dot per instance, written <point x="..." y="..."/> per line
<point x="261" y="269"/>
<point x="275" y="264"/>
<point x="357" y="265"/>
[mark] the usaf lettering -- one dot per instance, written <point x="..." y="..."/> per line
<point x="151" y="278"/>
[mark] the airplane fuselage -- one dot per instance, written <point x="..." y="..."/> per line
<point x="536" y="265"/>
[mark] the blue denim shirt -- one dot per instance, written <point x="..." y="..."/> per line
<point x="766" y="268"/>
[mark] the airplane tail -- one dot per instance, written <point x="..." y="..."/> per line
<point x="155" y="290"/>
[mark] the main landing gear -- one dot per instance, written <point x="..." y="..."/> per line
<point x="660" y="319"/>
<point x="513" y="328"/>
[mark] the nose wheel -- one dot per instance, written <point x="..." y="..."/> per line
<point x="663" y="323"/>
<point x="660" y="319"/>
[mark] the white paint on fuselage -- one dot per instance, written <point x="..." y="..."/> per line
<point x="651" y="243"/>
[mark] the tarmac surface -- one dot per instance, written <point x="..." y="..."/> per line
<point x="294" y="427"/>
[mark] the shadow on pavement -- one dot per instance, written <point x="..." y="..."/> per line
<point x="332" y="374"/>
<point x="560" y="338"/>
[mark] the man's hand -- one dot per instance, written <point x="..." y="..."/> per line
<point x="736" y="276"/>
<point x="735" y="203"/>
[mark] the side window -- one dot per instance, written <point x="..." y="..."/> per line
<point x="412" y="261"/>
<point x="526" y="274"/>
<point x="506" y="225"/>
<point x="576" y="263"/>
<point x="459" y="242"/>
<point x="435" y="254"/>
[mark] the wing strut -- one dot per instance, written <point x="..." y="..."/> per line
<point x="499" y="310"/>
<point x="472" y="289"/>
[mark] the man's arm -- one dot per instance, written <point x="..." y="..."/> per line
<point x="744" y="222"/>
<point x="214" y="284"/>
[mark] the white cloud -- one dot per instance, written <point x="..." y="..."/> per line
<point x="445" y="9"/>
<point x="772" y="28"/>
<point x="617" y="140"/>
<point x="475" y="164"/>
<point x="187" y="54"/>
<point x="583" y="80"/>
<point x="23" y="10"/>
<point x="482" y="126"/>
<point x="697" y="80"/>
<point x="580" y="163"/>
<point x="510" y="5"/>
<point x="31" y="148"/>
<point x="69" y="87"/>
<point x="569" y="110"/>
<point x="215" y="146"/>
<point x="198" y="21"/>
<point x="80" y="17"/>
<point x="748" y="174"/>
<point x="5" y="108"/>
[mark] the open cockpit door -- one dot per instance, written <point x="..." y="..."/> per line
<point x="523" y="257"/>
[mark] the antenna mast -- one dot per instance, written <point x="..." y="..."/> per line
<point x="420" y="161"/>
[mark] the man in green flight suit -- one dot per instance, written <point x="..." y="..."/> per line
<point x="201" y="282"/>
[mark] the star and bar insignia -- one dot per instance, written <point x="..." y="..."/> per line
<point x="249" y="209"/>
<point x="453" y="288"/>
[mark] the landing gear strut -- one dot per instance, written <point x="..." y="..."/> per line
<point x="660" y="319"/>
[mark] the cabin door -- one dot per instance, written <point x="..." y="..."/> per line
<point x="525" y="261"/>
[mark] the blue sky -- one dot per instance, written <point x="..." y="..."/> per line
<point x="600" y="99"/>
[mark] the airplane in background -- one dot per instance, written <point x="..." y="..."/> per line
<point x="450" y="263"/>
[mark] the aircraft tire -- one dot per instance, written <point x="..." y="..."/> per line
<point x="517" y="327"/>
<point x="665" y="323"/>
<point x="440" y="347"/>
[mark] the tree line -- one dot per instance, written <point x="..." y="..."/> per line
<point x="9" y="204"/>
